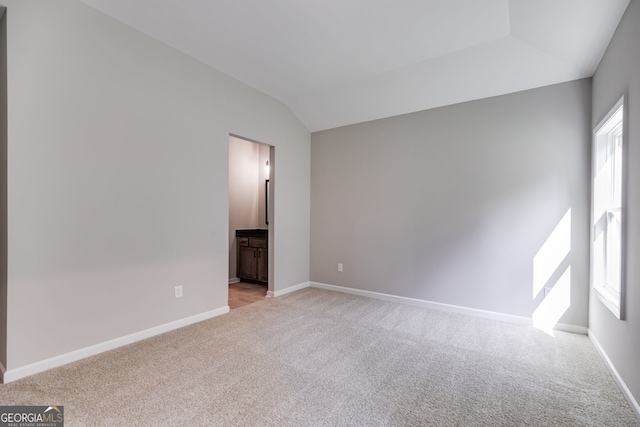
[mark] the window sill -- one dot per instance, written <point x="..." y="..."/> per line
<point x="611" y="301"/>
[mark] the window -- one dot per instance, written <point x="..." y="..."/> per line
<point x="607" y="210"/>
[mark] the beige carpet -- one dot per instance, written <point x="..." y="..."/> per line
<point x="320" y="358"/>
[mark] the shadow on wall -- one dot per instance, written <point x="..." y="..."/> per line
<point x="552" y="275"/>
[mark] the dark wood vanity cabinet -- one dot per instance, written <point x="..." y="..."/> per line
<point x="252" y="259"/>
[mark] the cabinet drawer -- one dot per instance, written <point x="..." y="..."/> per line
<point x="256" y="242"/>
<point x="243" y="241"/>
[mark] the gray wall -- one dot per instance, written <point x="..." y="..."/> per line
<point x="3" y="187"/>
<point x="247" y="173"/>
<point x="619" y="74"/>
<point x="451" y="205"/>
<point x="118" y="151"/>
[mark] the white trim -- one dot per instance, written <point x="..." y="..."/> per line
<point x="447" y="307"/>
<point x="605" y="119"/>
<point x="574" y="329"/>
<point x="288" y="290"/>
<point x="616" y="376"/>
<point x="233" y="280"/>
<point x="424" y="303"/>
<point x="609" y="300"/>
<point x="613" y="301"/>
<point x="63" y="359"/>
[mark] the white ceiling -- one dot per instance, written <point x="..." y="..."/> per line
<point x="339" y="62"/>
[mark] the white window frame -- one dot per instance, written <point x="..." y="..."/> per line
<point x="608" y="219"/>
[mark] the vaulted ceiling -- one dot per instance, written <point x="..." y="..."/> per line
<point x="339" y="62"/>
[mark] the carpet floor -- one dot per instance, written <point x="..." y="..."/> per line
<point x="322" y="358"/>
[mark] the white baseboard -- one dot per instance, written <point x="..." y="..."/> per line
<point x="616" y="376"/>
<point x="424" y="303"/>
<point x="288" y="290"/>
<point x="63" y="359"/>
<point x="574" y="329"/>
<point x="233" y="280"/>
<point x="446" y="307"/>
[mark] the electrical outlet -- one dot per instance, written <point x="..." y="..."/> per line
<point x="178" y="291"/>
<point x="339" y="267"/>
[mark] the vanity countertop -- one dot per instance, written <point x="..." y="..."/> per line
<point x="252" y="232"/>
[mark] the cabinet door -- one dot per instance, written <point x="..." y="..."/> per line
<point x="247" y="263"/>
<point x="263" y="265"/>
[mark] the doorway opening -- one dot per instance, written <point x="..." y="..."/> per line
<point x="251" y="210"/>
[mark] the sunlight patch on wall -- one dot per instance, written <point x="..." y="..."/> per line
<point x="546" y="266"/>
<point x="552" y="253"/>
<point x="555" y="304"/>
